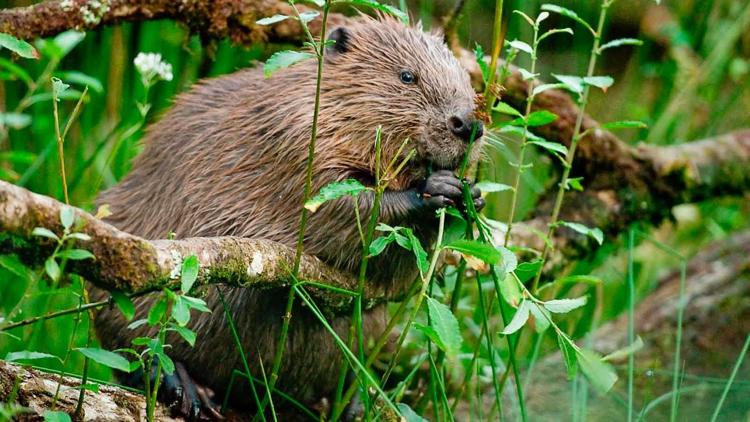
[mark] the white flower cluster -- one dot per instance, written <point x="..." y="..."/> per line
<point x="93" y="11"/>
<point x="66" y="5"/>
<point x="151" y="65"/>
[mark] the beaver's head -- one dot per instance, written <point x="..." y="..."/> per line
<point x="383" y="73"/>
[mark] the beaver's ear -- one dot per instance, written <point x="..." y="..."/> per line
<point x="342" y="40"/>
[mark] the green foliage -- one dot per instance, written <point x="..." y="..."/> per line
<point x="56" y="416"/>
<point x="106" y="358"/>
<point x="334" y="190"/>
<point x="284" y="59"/>
<point x="20" y="47"/>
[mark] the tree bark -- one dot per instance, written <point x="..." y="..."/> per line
<point x="132" y="264"/>
<point x="36" y="391"/>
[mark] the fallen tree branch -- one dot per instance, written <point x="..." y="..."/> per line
<point x="36" y="392"/>
<point x="132" y="264"/>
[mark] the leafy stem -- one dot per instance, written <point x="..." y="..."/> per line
<point x="568" y="165"/>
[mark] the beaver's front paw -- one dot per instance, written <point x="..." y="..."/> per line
<point x="443" y="189"/>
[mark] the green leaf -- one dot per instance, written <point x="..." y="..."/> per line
<point x="157" y="312"/>
<point x="195" y="303"/>
<point x="52" y="269"/>
<point x="16" y="71"/>
<point x="15" y="121"/>
<point x="569" y="355"/>
<point x="541" y="318"/>
<point x="79" y="236"/>
<point x="20" y="47"/>
<point x="575" y="183"/>
<point x="28" y="355"/>
<point x="403" y="17"/>
<point x="284" y="59"/>
<point x="125" y="305"/>
<point x="551" y="146"/>
<point x="518" y="320"/>
<point x="626" y="351"/>
<point x="41" y="231"/>
<point x="624" y="124"/>
<point x="378" y="245"/>
<point x="189" y="273"/>
<point x="408" y="414"/>
<point x="541" y="118"/>
<point x="137" y="323"/>
<point x="306" y="17"/>
<point x="486" y="186"/>
<point x="569" y="14"/>
<point x="166" y="363"/>
<point x="479" y="57"/>
<point x="555" y="31"/>
<point x="572" y="83"/>
<point x="141" y="341"/>
<point x="521" y="46"/>
<point x="602" y="82"/>
<point x="594" y="233"/>
<point x="58" y="88"/>
<point x="181" y="312"/>
<point x="545" y="87"/>
<point x="419" y="253"/>
<point x="541" y="18"/>
<point x="620" y="42"/>
<point x="584" y="279"/>
<point x="506" y="108"/>
<point x="445" y="325"/>
<point x="527" y="75"/>
<point x="106" y="358"/>
<point x="509" y="260"/>
<point x="526" y="17"/>
<point x="15" y="266"/>
<point x="67" y="216"/>
<point x="335" y="190"/>
<point x="563" y="306"/>
<point x="76" y="254"/>
<point x="527" y="270"/>
<point x="187" y="334"/>
<point x="55" y="416"/>
<point x="431" y="334"/>
<point x="62" y="44"/>
<point x="510" y="291"/>
<point x="601" y="375"/>
<point x="82" y="79"/>
<point x="272" y="19"/>
<point x="483" y="251"/>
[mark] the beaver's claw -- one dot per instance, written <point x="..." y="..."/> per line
<point x="443" y="189"/>
<point x="186" y="398"/>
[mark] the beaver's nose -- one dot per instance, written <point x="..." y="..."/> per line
<point x="463" y="127"/>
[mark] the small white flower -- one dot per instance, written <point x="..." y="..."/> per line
<point x="151" y="66"/>
<point x="177" y="269"/>
<point x="66" y="5"/>
<point x="93" y="11"/>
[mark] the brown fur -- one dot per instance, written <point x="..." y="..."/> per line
<point x="229" y="159"/>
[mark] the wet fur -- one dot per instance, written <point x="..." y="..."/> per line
<point x="229" y="159"/>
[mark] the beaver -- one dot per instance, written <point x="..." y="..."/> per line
<point x="229" y="159"/>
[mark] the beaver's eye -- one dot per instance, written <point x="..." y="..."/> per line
<point x="407" y="77"/>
